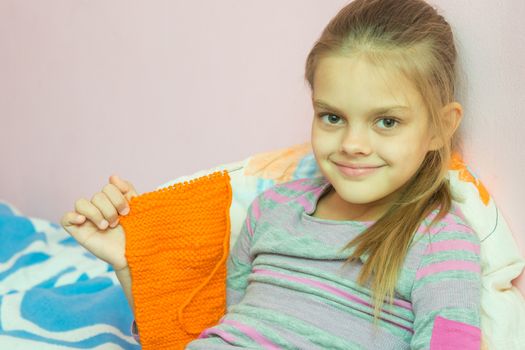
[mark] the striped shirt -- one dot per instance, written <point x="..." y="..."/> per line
<point x="287" y="288"/>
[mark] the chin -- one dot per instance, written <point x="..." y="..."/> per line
<point x="356" y="195"/>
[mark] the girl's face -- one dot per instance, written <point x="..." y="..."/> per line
<point x="366" y="149"/>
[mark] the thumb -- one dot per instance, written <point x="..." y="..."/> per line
<point x="127" y="189"/>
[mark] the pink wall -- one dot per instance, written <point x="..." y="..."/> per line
<point x="158" y="89"/>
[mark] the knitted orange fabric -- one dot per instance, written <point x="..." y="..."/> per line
<point x="177" y="243"/>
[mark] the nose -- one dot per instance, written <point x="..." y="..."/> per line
<point x="356" y="141"/>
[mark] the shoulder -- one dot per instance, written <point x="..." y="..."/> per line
<point x="450" y="244"/>
<point x="298" y="194"/>
<point x="281" y="198"/>
<point x="452" y="225"/>
<point x="448" y="256"/>
<point x="292" y="190"/>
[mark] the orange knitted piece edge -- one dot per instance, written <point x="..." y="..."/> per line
<point x="177" y="243"/>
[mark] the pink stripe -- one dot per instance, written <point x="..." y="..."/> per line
<point x="318" y="191"/>
<point x="451" y="265"/>
<point x="304" y="203"/>
<point x="223" y="334"/>
<point x="276" y="197"/>
<point x="336" y="291"/>
<point x="453" y="244"/>
<point x="451" y="335"/>
<point x="249" y="225"/>
<point x="453" y="225"/>
<point x="450" y="225"/>
<point x="252" y="333"/>
<point x="299" y="186"/>
<point x="256" y="210"/>
<point x="448" y="219"/>
<point x="459" y="213"/>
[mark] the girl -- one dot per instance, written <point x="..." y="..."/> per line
<point x="373" y="254"/>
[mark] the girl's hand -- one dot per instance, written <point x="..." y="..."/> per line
<point x="95" y="224"/>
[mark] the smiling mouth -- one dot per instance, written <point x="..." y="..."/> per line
<point x="357" y="170"/>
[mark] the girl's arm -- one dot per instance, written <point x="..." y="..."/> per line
<point x="446" y="291"/>
<point x="124" y="277"/>
<point x="240" y="261"/>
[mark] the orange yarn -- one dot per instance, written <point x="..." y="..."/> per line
<point x="177" y="243"/>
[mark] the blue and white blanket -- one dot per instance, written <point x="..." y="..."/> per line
<point x="53" y="293"/>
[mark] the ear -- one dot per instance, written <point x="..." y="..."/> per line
<point x="451" y="114"/>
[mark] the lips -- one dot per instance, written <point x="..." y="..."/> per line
<point x="357" y="170"/>
<point x="358" y="166"/>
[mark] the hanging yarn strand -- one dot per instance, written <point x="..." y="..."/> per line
<point x="177" y="244"/>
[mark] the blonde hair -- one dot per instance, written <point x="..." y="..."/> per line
<point x="407" y="37"/>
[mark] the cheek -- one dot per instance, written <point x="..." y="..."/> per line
<point x="408" y="151"/>
<point x="316" y="147"/>
<point x="403" y="149"/>
<point x="322" y="142"/>
<point x="319" y="147"/>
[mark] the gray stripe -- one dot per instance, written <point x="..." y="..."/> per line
<point x="210" y="344"/>
<point x="333" y="271"/>
<point x="321" y="315"/>
<point x="295" y="341"/>
<point x="233" y="296"/>
<point x="440" y="295"/>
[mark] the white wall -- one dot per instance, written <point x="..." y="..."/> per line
<point x="152" y="90"/>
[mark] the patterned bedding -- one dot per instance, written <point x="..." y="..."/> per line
<point x="53" y="293"/>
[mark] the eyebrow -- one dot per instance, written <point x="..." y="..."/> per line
<point x="378" y="110"/>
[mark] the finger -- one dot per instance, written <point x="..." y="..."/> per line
<point x="92" y="213"/>
<point x="108" y="210"/>
<point x="117" y="198"/>
<point x="72" y="218"/>
<point x="127" y="189"/>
